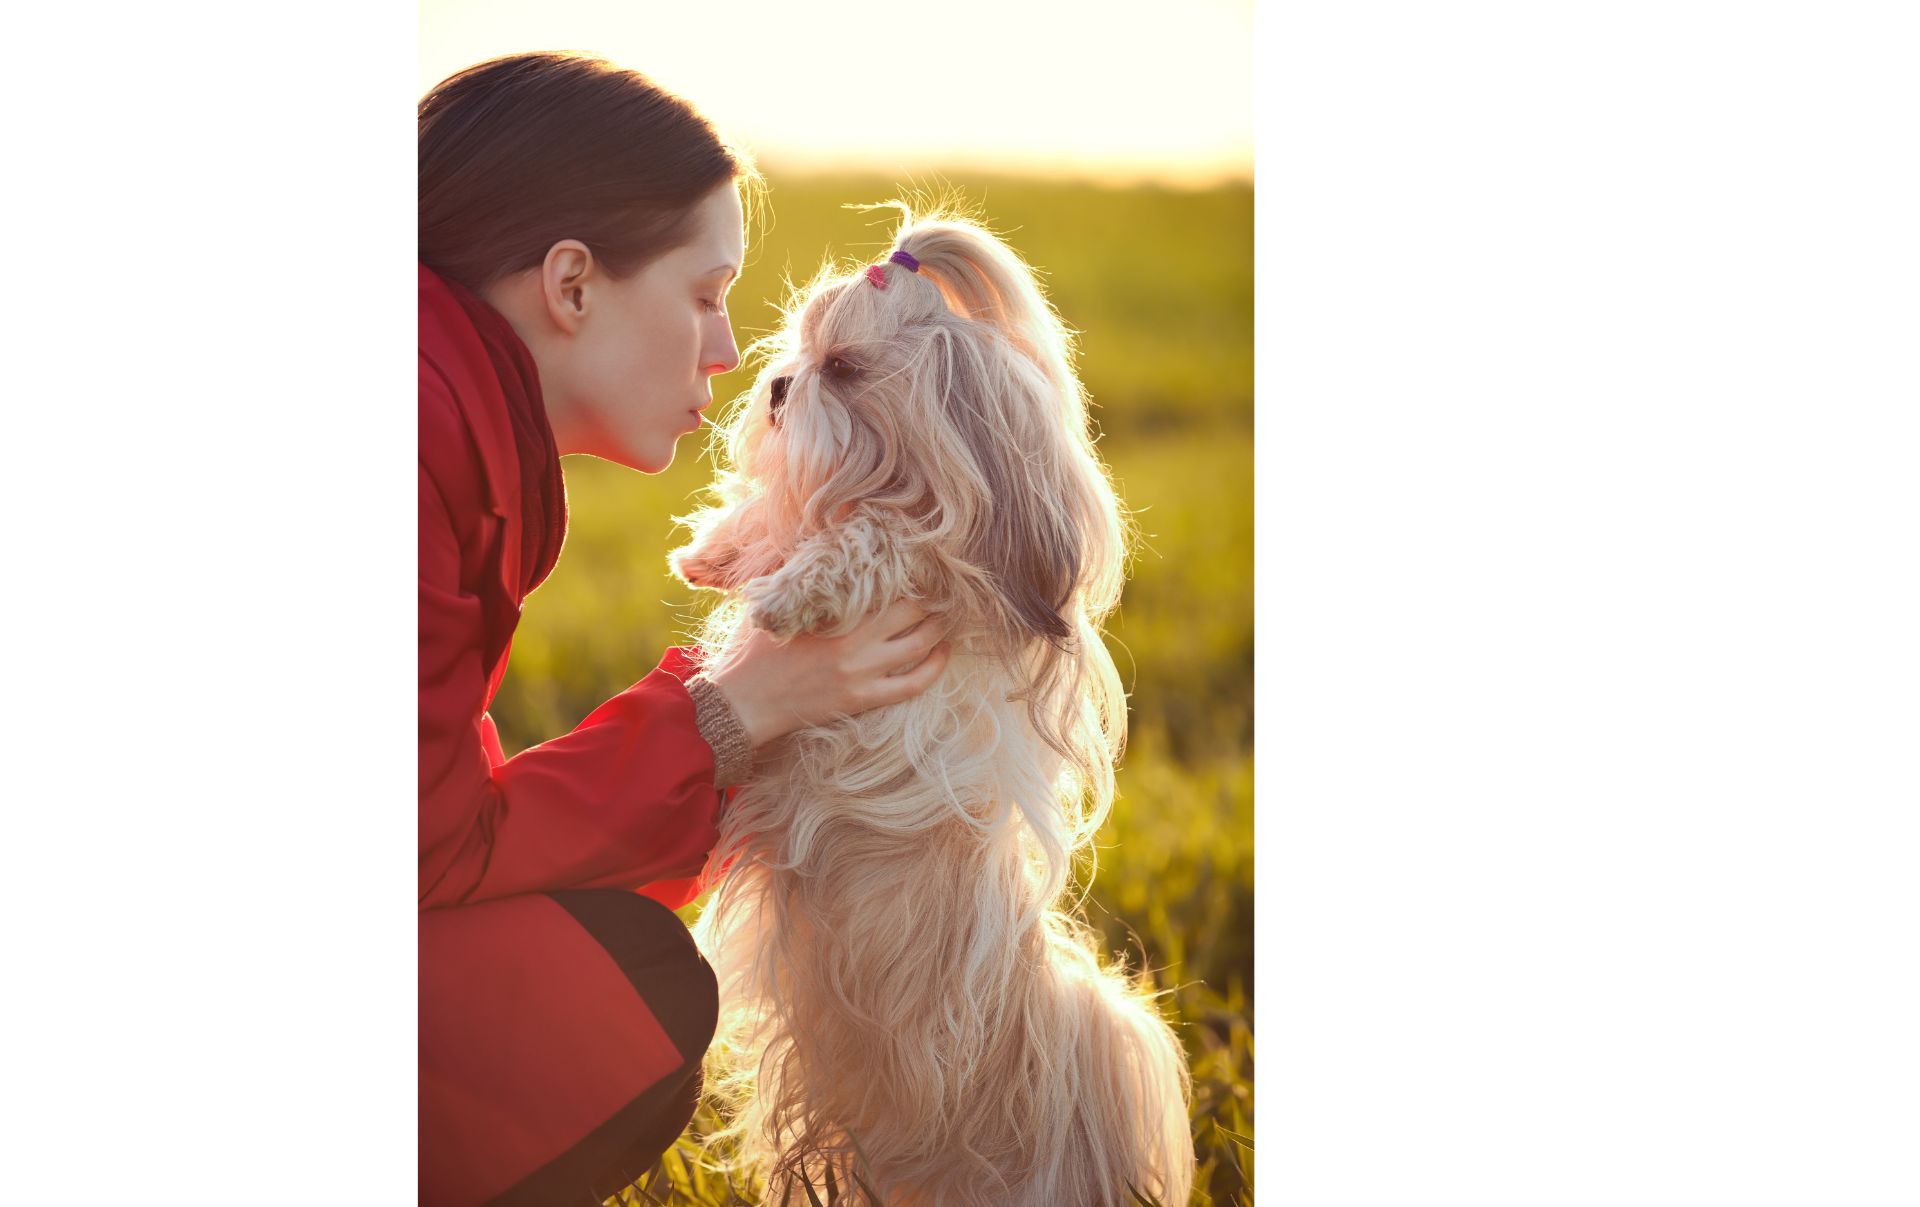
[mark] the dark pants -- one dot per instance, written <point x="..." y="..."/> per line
<point x="561" y="1036"/>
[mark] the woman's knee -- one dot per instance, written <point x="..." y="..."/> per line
<point x="653" y="948"/>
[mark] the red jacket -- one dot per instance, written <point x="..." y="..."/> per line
<point x="627" y="799"/>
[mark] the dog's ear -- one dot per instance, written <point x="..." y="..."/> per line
<point x="1033" y="554"/>
<point x="1032" y="543"/>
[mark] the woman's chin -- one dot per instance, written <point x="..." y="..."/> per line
<point x="653" y="457"/>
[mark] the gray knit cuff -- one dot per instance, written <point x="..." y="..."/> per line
<point x="720" y="726"/>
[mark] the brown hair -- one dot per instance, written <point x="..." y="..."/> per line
<point x="520" y="152"/>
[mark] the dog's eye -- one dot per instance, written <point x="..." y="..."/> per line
<point x="839" y="368"/>
<point x="780" y="385"/>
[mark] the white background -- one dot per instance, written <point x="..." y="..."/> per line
<point x="1587" y="585"/>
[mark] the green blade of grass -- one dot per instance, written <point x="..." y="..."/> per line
<point x="868" y="1187"/>
<point x="806" y="1184"/>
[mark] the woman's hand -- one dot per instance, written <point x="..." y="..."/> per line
<point x="778" y="687"/>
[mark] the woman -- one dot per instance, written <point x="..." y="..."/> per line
<point x="579" y="230"/>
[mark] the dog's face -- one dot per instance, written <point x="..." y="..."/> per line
<point x="888" y="402"/>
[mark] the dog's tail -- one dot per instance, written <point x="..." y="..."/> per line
<point x="1132" y="1091"/>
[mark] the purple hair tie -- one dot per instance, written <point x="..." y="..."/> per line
<point x="876" y="273"/>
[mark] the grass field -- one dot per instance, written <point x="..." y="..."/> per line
<point x="1160" y="283"/>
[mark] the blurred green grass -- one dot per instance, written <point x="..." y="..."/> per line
<point x="1160" y="284"/>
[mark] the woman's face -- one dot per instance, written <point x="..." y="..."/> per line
<point x="633" y="374"/>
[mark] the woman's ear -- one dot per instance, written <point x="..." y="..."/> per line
<point x="565" y="277"/>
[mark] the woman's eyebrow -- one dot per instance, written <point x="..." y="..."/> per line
<point x="731" y="269"/>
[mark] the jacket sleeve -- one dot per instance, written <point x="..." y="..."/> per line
<point x="626" y="800"/>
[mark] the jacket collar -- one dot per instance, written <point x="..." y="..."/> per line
<point x="448" y="339"/>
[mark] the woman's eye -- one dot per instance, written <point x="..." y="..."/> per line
<point x="710" y="305"/>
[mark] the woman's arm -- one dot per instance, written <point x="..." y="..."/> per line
<point x="628" y="798"/>
<point x="625" y="799"/>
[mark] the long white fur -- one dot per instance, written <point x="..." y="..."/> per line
<point x="906" y="990"/>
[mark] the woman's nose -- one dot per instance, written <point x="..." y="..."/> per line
<point x="725" y="358"/>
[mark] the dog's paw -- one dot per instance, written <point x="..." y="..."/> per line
<point x="783" y="611"/>
<point x="697" y="569"/>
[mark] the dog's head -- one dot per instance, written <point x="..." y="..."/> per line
<point x="937" y="387"/>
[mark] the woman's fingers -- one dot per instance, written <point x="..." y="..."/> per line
<point x="916" y="657"/>
<point x="777" y="686"/>
<point x="891" y="641"/>
<point x="897" y="619"/>
<point x="906" y="684"/>
<point x="912" y="645"/>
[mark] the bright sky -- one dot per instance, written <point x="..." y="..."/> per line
<point x="1119" y="89"/>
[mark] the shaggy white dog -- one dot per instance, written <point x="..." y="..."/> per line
<point x="906" y="994"/>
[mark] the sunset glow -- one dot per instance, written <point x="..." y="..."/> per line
<point x="1121" y="91"/>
